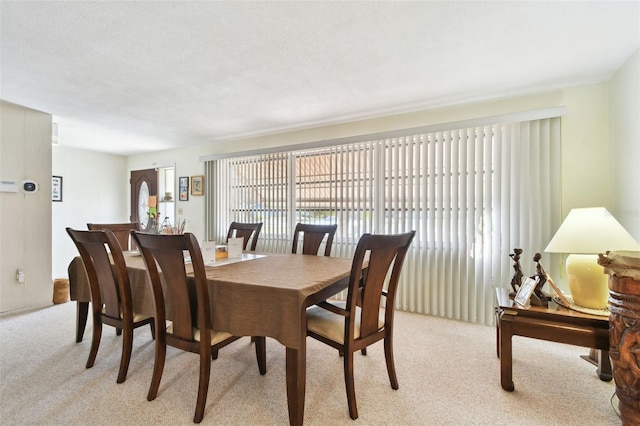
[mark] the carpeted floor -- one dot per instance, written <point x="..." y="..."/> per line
<point x="448" y="374"/>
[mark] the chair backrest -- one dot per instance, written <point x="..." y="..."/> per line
<point x="109" y="283"/>
<point x="186" y="299"/>
<point x="313" y="235"/>
<point x="384" y="254"/>
<point x="122" y="231"/>
<point x="248" y="231"/>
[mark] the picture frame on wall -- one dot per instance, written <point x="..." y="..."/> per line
<point x="183" y="188"/>
<point x="197" y="185"/>
<point x="56" y="188"/>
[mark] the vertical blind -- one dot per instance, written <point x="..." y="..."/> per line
<point x="472" y="195"/>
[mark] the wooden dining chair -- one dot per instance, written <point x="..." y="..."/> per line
<point x="248" y="231"/>
<point x="365" y="318"/>
<point x="184" y="300"/>
<point x="122" y="231"/>
<point x="312" y="238"/>
<point x="111" y="298"/>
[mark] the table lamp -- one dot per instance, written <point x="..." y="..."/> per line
<point x="584" y="233"/>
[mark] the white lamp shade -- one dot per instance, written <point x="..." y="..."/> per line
<point x="584" y="234"/>
<point x="591" y="231"/>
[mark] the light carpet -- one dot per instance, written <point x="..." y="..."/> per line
<point x="447" y="370"/>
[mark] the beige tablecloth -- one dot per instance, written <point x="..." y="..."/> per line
<point x="260" y="297"/>
<point x="140" y="286"/>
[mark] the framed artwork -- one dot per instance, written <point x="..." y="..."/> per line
<point x="197" y="185"/>
<point x="56" y="188"/>
<point x="525" y="291"/>
<point x="183" y="188"/>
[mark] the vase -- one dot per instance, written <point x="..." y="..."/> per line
<point x="623" y="269"/>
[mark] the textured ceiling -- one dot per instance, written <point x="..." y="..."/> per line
<point x="134" y="76"/>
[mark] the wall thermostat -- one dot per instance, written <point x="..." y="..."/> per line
<point x="29" y="186"/>
<point x="8" y="185"/>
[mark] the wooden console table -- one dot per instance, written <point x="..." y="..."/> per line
<point x="554" y="323"/>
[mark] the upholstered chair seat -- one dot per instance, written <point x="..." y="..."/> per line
<point x="216" y="336"/>
<point x="326" y="323"/>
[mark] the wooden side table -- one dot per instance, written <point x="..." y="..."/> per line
<point x="554" y="323"/>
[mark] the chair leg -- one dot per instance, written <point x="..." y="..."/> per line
<point x="261" y="353"/>
<point x="95" y="340"/>
<point x="127" y="343"/>
<point x="158" y="366"/>
<point x="391" y="368"/>
<point x="203" y="387"/>
<point x="82" y="311"/>
<point x="118" y="331"/>
<point x="350" y="385"/>
<point x="363" y="351"/>
<point x="214" y="354"/>
<point x="152" y="324"/>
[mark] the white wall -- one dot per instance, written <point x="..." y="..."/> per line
<point x="25" y="219"/>
<point x="93" y="185"/>
<point x="625" y="143"/>
<point x="585" y="149"/>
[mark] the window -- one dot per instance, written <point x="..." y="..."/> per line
<point x="472" y="194"/>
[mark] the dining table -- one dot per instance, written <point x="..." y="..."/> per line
<point x="257" y="295"/>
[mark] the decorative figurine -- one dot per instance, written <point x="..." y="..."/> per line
<point x="516" y="281"/>
<point x="538" y="297"/>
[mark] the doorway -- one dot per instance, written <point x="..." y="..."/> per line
<point x="158" y="183"/>
<point x="144" y="183"/>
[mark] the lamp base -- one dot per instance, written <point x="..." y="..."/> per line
<point x="588" y="283"/>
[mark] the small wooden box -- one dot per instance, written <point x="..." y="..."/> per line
<point x="221" y="252"/>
